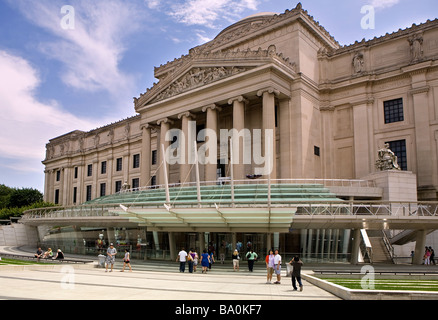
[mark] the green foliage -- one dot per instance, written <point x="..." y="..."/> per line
<point x="13" y="202"/>
<point x="5" y="193"/>
<point x="24" y="197"/>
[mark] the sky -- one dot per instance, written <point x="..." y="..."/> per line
<point x="77" y="64"/>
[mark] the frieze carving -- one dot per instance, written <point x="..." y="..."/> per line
<point x="198" y="77"/>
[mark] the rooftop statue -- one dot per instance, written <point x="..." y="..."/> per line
<point x="387" y="160"/>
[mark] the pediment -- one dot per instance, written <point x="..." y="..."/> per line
<point x="205" y="68"/>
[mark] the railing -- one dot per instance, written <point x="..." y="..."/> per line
<point x="227" y="181"/>
<point x="335" y="208"/>
<point x="388" y="246"/>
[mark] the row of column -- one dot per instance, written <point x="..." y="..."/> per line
<point x="212" y="113"/>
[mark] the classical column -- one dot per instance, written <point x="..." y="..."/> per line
<point x="164" y="127"/>
<point x="186" y="144"/>
<point x="423" y="140"/>
<point x="211" y="124"/>
<point x="238" y="144"/>
<point x="146" y="156"/>
<point x="420" y="244"/>
<point x="268" y="120"/>
<point x="361" y="137"/>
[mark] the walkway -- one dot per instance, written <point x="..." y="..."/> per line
<point x="154" y="280"/>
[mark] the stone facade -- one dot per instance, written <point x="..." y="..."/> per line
<point x="325" y="103"/>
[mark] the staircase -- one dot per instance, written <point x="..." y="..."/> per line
<point x="380" y="252"/>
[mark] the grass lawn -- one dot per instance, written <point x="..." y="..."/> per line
<point x="388" y="284"/>
<point x="4" y="261"/>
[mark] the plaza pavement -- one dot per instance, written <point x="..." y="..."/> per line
<point x="149" y="280"/>
<point x="159" y="281"/>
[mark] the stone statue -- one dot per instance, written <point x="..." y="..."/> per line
<point x="387" y="160"/>
<point x="358" y="62"/>
<point x="125" y="187"/>
<point x="416" y="43"/>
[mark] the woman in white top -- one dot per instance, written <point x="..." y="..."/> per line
<point x="127" y="261"/>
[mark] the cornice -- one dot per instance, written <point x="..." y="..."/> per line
<point x="387" y="37"/>
<point x="209" y="67"/>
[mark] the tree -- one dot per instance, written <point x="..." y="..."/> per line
<point x="5" y="193"/>
<point x="24" y="197"/>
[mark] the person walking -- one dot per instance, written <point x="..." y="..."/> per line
<point x="236" y="260"/>
<point x="211" y="261"/>
<point x="277" y="266"/>
<point x="252" y="257"/>
<point x="195" y="260"/>
<point x="432" y="256"/>
<point x="426" y="256"/>
<point x="190" y="261"/>
<point x="269" y="266"/>
<point x="296" y="272"/>
<point x="110" y="257"/>
<point x="127" y="261"/>
<point x="205" y="261"/>
<point x="182" y="257"/>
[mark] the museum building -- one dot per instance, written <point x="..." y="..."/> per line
<point x="278" y="86"/>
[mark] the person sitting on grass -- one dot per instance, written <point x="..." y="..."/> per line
<point x="59" y="255"/>
<point x="38" y="254"/>
<point x="48" y="254"/>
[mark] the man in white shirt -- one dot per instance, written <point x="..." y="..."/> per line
<point x="277" y="266"/>
<point x="182" y="256"/>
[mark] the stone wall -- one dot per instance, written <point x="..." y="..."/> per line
<point x="18" y="234"/>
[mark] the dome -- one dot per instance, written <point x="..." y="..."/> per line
<point x="254" y="18"/>
<point x="260" y="14"/>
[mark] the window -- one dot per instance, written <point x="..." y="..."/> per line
<point x="200" y="133"/>
<point x="399" y="149"/>
<point x="136" y="161"/>
<point x="58" y="175"/>
<point x="118" y="186"/>
<point x="76" y="172"/>
<point x="88" y="193"/>
<point x="90" y="170"/>
<point x="154" y="181"/>
<point x="135" y="183"/>
<point x="393" y="110"/>
<point x="75" y="194"/>
<point x="103" y="168"/>
<point x="57" y="196"/>
<point x="102" y="189"/>
<point x="316" y="151"/>
<point x="154" y="157"/>
<point x="119" y="164"/>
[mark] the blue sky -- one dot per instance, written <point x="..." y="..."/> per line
<point x="54" y="80"/>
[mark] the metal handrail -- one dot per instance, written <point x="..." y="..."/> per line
<point x="227" y="181"/>
<point x="330" y="208"/>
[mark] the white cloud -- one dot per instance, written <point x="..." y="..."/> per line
<point x="26" y="123"/>
<point x="383" y="4"/>
<point x="152" y="4"/>
<point x="92" y="51"/>
<point x="208" y="12"/>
